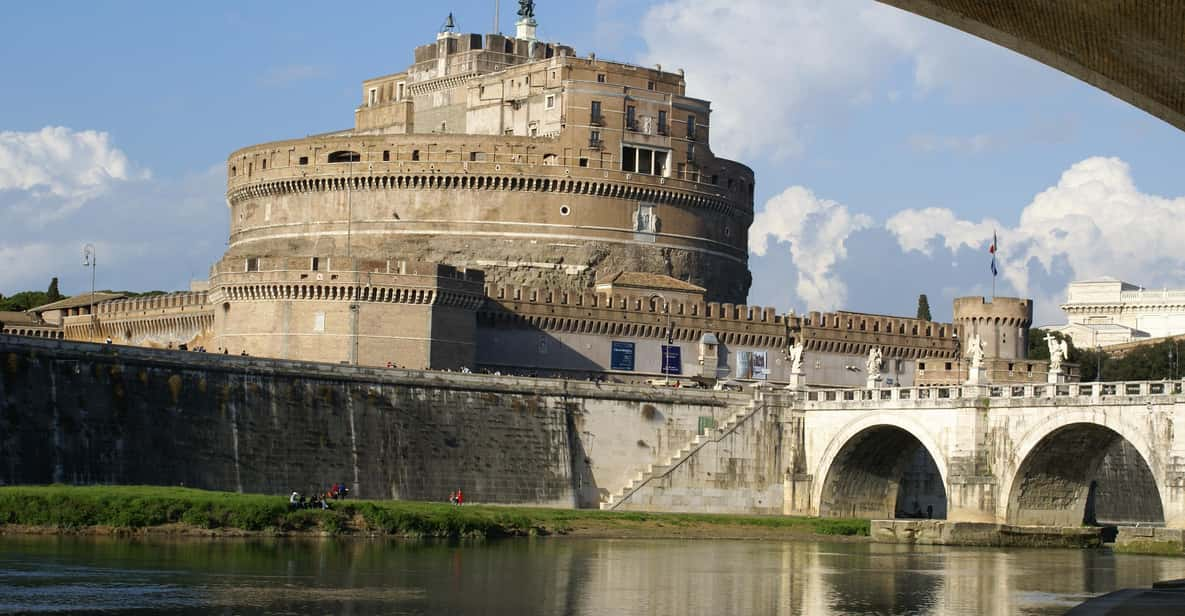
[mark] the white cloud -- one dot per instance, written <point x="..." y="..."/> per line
<point x="48" y="173"/>
<point x="1093" y="222"/>
<point x="817" y="231"/>
<point x="774" y="70"/>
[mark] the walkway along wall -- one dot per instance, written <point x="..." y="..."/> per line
<point x="89" y="413"/>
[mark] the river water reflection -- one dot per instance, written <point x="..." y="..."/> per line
<point x="553" y="576"/>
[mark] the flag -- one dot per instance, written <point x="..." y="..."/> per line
<point x="992" y="251"/>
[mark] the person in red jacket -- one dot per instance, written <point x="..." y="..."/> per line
<point x="460" y="498"/>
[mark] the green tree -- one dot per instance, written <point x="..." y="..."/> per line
<point x="924" y="308"/>
<point x="53" y="294"/>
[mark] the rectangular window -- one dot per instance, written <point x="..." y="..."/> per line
<point x="265" y="163"/>
<point x="386" y="156"/>
<point x="304" y="160"/>
<point x="662" y="122"/>
<point x="549" y="102"/>
<point x="691" y="151"/>
<point x="921" y="365"/>
<point x="631" y="117"/>
<point x="252" y="264"/>
<point x="600" y="77"/>
<point x="646" y="161"/>
<point x="595" y="114"/>
<point x="629" y="159"/>
<point x="594" y="136"/>
<point x="583" y="161"/>
<point x="415" y="155"/>
<point x="399" y="92"/>
<point x="691" y="127"/>
<point x="316" y="265"/>
<point x="374" y="97"/>
<point x="649" y="85"/>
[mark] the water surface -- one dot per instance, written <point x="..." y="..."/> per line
<point x="553" y="576"/>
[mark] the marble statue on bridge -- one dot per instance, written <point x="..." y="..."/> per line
<point x="873" y="367"/>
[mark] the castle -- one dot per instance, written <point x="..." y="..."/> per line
<point x="505" y="205"/>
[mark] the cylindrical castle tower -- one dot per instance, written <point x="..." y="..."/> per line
<point x="1002" y="323"/>
<point x="504" y="155"/>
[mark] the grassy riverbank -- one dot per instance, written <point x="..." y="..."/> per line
<point x="147" y="509"/>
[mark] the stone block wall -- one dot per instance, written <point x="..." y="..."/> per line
<point x="88" y="413"/>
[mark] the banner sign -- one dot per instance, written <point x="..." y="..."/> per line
<point x="752" y="365"/>
<point x="672" y="359"/>
<point x="622" y="357"/>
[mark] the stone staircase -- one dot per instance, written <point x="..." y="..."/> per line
<point x="710" y="435"/>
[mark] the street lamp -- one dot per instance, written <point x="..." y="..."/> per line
<point x="1098" y="375"/>
<point x="90" y="259"/>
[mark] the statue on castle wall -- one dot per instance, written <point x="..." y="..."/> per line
<point x="796" y="358"/>
<point x="526" y="9"/>
<point x="975" y="352"/>
<point x="873" y="365"/>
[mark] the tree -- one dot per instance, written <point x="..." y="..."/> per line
<point x="53" y="294"/>
<point x="1039" y="349"/>
<point x="924" y="308"/>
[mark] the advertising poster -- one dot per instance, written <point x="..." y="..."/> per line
<point x="622" y="357"/>
<point x="752" y="365"/>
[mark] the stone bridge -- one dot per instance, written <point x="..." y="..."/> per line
<point x="1054" y="455"/>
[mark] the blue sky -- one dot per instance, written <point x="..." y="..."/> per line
<point x="887" y="148"/>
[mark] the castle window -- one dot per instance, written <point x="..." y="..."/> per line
<point x="415" y="155"/>
<point x="947" y="366"/>
<point x="549" y="102"/>
<point x="595" y="117"/>
<point x="399" y="91"/>
<point x="386" y="156"/>
<point x="662" y="122"/>
<point x="921" y="366"/>
<point x="583" y="161"/>
<point x="600" y="77"/>
<point x="715" y="179"/>
<point x="649" y="85"/>
<point x="344" y="156"/>
<point x="374" y="97"/>
<point x="316" y="264"/>
<point x="631" y="117"/>
<point x="304" y="160"/>
<point x="234" y="170"/>
<point x="252" y="264"/>
<point x="265" y="163"/>
<point x="691" y="151"/>
<point x="691" y="127"/>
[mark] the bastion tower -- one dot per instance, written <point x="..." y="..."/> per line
<point x="509" y="155"/>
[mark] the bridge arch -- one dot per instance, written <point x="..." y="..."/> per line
<point x="1083" y="466"/>
<point x="863" y="467"/>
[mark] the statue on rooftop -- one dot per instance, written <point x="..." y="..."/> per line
<point x="874" y="363"/>
<point x="526" y="9"/>
<point x="975" y="352"/>
<point x="796" y="358"/>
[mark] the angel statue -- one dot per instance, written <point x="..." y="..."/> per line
<point x="526" y="9"/>
<point x="873" y="365"/>
<point x="796" y="358"/>
<point x="1058" y="351"/>
<point x="975" y="352"/>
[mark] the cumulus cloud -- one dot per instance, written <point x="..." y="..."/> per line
<point x="1094" y="222"/>
<point x="774" y="69"/>
<point x="50" y="172"/>
<point x="817" y="231"/>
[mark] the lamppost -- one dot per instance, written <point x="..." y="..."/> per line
<point x="666" y="308"/>
<point x="1098" y="375"/>
<point x="90" y="259"/>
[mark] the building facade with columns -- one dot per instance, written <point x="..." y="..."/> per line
<point x="1108" y="311"/>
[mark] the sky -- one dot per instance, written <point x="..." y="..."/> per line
<point x="888" y="149"/>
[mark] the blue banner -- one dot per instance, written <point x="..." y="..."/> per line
<point x="672" y="359"/>
<point x="622" y="357"/>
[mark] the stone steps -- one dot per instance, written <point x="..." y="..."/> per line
<point x="658" y="470"/>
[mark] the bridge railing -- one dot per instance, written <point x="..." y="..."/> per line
<point x="836" y="398"/>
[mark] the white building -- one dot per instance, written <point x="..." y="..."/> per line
<point x="1107" y="311"/>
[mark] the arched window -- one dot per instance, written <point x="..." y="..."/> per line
<point x="344" y="156"/>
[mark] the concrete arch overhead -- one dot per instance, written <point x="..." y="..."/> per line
<point x="1132" y="50"/>
<point x="866" y="466"/>
<point x="1073" y="469"/>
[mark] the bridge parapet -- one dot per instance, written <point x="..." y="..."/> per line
<point x="945" y="396"/>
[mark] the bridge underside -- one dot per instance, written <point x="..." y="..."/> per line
<point x="1084" y="474"/>
<point x="883" y="472"/>
<point x="1132" y="50"/>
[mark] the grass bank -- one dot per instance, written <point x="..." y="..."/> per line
<point x="136" y="509"/>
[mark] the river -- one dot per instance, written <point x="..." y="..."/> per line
<point x="552" y="576"/>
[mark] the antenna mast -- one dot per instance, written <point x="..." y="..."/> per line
<point x="497" y="9"/>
